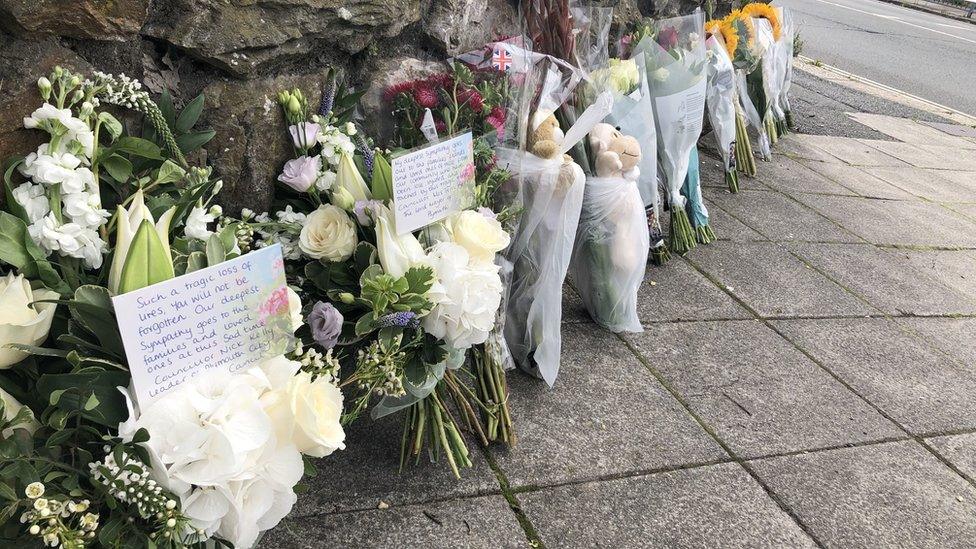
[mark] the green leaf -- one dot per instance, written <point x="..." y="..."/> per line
<point x="419" y="279"/>
<point x="92" y="309"/>
<point x="165" y="104"/>
<point x="118" y="167"/>
<point x="8" y="190"/>
<point x="169" y="172"/>
<point x="91" y="403"/>
<point x="111" y="124"/>
<point x="111" y="409"/>
<point x="17" y="249"/>
<point x="55" y="396"/>
<point x="190" y="115"/>
<point x="196" y="261"/>
<point x="191" y="141"/>
<point x="147" y="261"/>
<point x="136" y="146"/>
<point x="364" y="325"/>
<point x="215" y="250"/>
<point x="7" y="493"/>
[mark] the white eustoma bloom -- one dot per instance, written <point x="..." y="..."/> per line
<point x="466" y="297"/>
<point x="196" y="223"/>
<point x="33" y="199"/>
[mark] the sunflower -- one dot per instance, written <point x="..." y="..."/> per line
<point x="728" y="32"/>
<point x="767" y="12"/>
<point x="742" y="24"/>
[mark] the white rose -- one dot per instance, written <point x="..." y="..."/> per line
<point x="21" y="322"/>
<point x="328" y="233"/>
<point x="466" y="297"/>
<point x="11" y="407"/>
<point x="294" y="309"/>
<point x="482" y="236"/>
<point x="307" y="413"/>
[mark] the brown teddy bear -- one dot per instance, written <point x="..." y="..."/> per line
<point x="617" y="155"/>
<point x="545" y="140"/>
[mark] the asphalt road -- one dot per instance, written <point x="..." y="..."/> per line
<point x="920" y="53"/>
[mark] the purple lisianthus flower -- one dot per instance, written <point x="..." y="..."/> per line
<point x="326" y="324"/>
<point x="304" y="134"/>
<point x="366" y="211"/>
<point x="300" y="173"/>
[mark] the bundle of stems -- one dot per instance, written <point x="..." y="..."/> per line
<point x="492" y="386"/>
<point x="431" y="421"/>
<point x="745" y="160"/>
<point x="681" y="238"/>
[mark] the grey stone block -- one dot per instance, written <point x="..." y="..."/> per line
<point x="886" y="280"/>
<point x="897" y="222"/>
<point x="779" y="218"/>
<point x="486" y="522"/>
<point x="717" y="506"/>
<point x="759" y="394"/>
<point x="885" y="495"/>
<point x="676" y="291"/>
<point x="775" y="283"/>
<point x="368" y="472"/>
<point x="960" y="450"/>
<point x="918" y="386"/>
<point x="606" y="415"/>
<point x="859" y="181"/>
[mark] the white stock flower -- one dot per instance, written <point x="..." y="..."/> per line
<point x="69" y="239"/>
<point x="466" y="297"/>
<point x="45" y="115"/>
<point x="22" y="321"/>
<point x="58" y="168"/>
<point x="325" y="181"/>
<point x="329" y="233"/>
<point x="196" y="223"/>
<point x="307" y="413"/>
<point x="481" y="235"/>
<point x="85" y="209"/>
<point x="334" y="144"/>
<point x="32" y="198"/>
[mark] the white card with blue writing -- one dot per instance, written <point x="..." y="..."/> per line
<point x="431" y="183"/>
<point x="229" y="316"/>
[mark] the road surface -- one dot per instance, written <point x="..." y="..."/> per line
<point x="920" y="53"/>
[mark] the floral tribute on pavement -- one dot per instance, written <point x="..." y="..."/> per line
<point x="564" y="148"/>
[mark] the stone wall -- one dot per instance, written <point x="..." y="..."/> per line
<point x="239" y="53"/>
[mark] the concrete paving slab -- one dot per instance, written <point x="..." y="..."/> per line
<point x="936" y="185"/>
<point x="727" y="227"/>
<point x="885" y="495"/>
<point x="606" y="415"/>
<point x="793" y="146"/>
<point x="911" y="153"/>
<point x="896" y="222"/>
<point x="884" y="279"/>
<point x="953" y="157"/>
<point x="910" y="131"/>
<point x="859" y="181"/>
<point x="774" y="282"/>
<point x="483" y="522"/>
<point x="852" y="151"/>
<point x="757" y="391"/>
<point x="952" y="336"/>
<point x="954" y="268"/>
<point x="918" y="386"/>
<point x="370" y="473"/>
<point x="779" y="218"/>
<point x="717" y="506"/>
<point x="960" y="450"/>
<point x="788" y="175"/>
<point x="676" y="291"/>
<point x="574" y="311"/>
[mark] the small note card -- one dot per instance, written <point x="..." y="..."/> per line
<point x="430" y="184"/>
<point x="228" y="316"/>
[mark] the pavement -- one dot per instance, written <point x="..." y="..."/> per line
<point x="805" y="381"/>
<point x="924" y="54"/>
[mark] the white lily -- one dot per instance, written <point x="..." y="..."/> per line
<point x="349" y="186"/>
<point x="129" y="223"/>
<point x="398" y="253"/>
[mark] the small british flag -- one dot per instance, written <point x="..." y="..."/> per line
<point x="501" y="58"/>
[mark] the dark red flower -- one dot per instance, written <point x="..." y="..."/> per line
<point x="440" y="126"/>
<point x="426" y="96"/>
<point x="668" y="37"/>
<point x="395" y="90"/>
<point x="472" y="99"/>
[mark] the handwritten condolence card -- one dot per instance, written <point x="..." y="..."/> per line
<point x="228" y="316"/>
<point x="431" y="183"/>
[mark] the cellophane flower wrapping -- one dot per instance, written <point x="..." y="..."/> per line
<point x="786" y="53"/>
<point x="675" y="59"/>
<point x="752" y="86"/>
<point x="720" y="100"/>
<point x="551" y="192"/>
